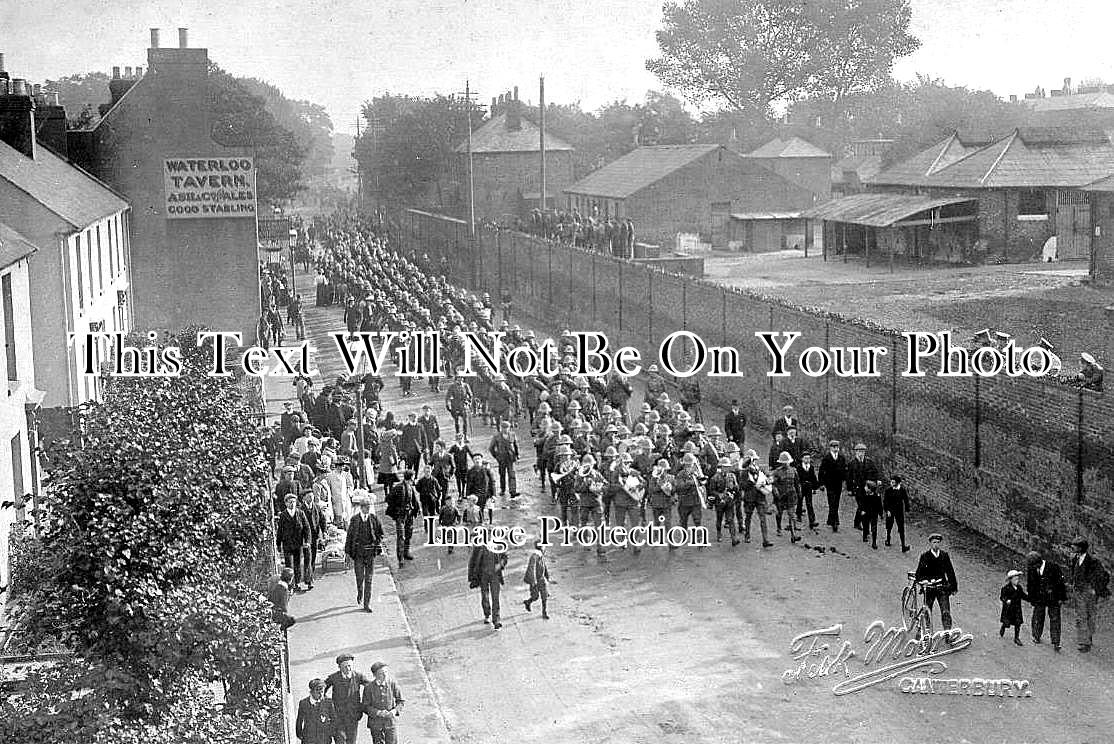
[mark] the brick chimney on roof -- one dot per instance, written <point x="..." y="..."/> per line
<point x="514" y="112"/>
<point x="17" y="117"/>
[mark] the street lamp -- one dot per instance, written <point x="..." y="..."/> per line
<point x="293" y="242"/>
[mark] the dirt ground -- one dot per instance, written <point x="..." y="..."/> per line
<point x="1027" y="301"/>
<point x="691" y="646"/>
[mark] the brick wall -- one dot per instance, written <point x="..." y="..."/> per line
<point x="1025" y="462"/>
<point x="501" y="178"/>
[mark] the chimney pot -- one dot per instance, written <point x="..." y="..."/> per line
<point x="183" y="38"/>
<point x="516" y="92"/>
<point x="1013" y="99"/>
<point x="54" y="98"/>
<point x="494" y="105"/>
<point x="154" y="38"/>
<point x="115" y="73"/>
<point x="37" y="89"/>
<point x="1067" y="84"/>
<point x="19" y="87"/>
<point x="127" y="72"/>
<point x="1" y="61"/>
<point x="139" y="72"/>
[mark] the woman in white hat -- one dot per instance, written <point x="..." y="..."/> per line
<point x="1012" y="596"/>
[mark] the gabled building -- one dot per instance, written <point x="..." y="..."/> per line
<point x="999" y="199"/>
<point x="506" y="164"/>
<point x="194" y="203"/>
<point x="799" y="161"/>
<point x="79" y="275"/>
<point x="670" y="189"/>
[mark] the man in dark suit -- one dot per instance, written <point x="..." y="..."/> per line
<point x="1046" y="590"/>
<point x="735" y="425"/>
<point x="862" y="482"/>
<point x="403" y="506"/>
<point x="315" y="516"/>
<point x="1089" y="583"/>
<point x="485" y="571"/>
<point x="786" y="420"/>
<point x="347" y="685"/>
<point x="832" y="474"/>
<point x="412" y="444"/>
<point x="293" y="535"/>
<point x="936" y="565"/>
<point x="362" y="544"/>
<point x="317" y="716"/>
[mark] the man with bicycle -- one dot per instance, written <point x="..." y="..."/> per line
<point x="935" y="569"/>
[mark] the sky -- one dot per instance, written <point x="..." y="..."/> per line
<point x="342" y="52"/>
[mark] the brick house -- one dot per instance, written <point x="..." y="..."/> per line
<point x="670" y="189"/>
<point x="506" y="164"/>
<point x="978" y="199"/>
<point x="187" y="268"/>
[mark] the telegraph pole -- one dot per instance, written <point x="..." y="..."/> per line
<point x="541" y="136"/>
<point x="471" y="181"/>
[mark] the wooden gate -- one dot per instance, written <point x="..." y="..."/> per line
<point x="1073" y="226"/>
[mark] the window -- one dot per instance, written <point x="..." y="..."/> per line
<point x="80" y="277"/>
<point x="1031" y="203"/>
<point x="9" y="326"/>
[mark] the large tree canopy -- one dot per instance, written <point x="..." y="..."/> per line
<point x="752" y="54"/>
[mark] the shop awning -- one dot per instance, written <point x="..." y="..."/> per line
<point x="877" y="210"/>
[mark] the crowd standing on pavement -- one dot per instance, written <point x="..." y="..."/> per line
<point x="599" y="459"/>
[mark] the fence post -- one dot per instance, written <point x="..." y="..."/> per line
<point x="620" y="297"/>
<point x="530" y="264"/>
<point x="723" y="317"/>
<point x="1079" y="451"/>
<point x="650" y="319"/>
<point x="499" y="256"/>
<point x="549" y="253"/>
<point x="514" y="262"/>
<point x="978" y="425"/>
<point x="684" y="306"/>
<point x="893" y="394"/>
<point x="569" y="251"/>
<point x="593" y="288"/>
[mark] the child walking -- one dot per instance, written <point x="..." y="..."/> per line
<point x="1012" y="595"/>
<point x="537" y="576"/>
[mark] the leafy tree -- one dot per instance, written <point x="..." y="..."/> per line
<point x="751" y="54"/>
<point x="409" y="146"/>
<point x="242" y="119"/>
<point x="308" y="122"/>
<point x="154" y="534"/>
<point x="81" y="95"/>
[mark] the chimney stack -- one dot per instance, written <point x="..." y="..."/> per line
<point x="183" y="38"/>
<point x="516" y="92"/>
<point x="50" y="123"/>
<point x="115" y="73"/>
<point x="1067" y="85"/>
<point x="154" y="38"/>
<point x="128" y="72"/>
<point x="17" y="118"/>
<point x="514" y="112"/>
<point x="139" y="72"/>
<point x="494" y="106"/>
<point x="1013" y="99"/>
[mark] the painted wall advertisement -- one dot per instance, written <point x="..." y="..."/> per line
<point x="207" y="188"/>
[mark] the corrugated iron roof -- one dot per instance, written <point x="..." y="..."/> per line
<point x="794" y="147"/>
<point x="13" y="246"/>
<point x="493" y="136"/>
<point x="877" y="210"/>
<point x="743" y="216"/>
<point x="61" y="187"/>
<point x="640" y="168"/>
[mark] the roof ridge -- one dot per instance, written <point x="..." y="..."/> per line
<point x="947" y="142"/>
<point x="1011" y="139"/>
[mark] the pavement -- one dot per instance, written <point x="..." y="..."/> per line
<point x="688" y="646"/>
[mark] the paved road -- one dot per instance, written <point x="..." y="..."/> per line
<point x="691" y="646"/>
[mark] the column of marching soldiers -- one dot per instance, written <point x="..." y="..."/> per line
<point x="601" y="462"/>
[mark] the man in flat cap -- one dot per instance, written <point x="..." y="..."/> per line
<point x="936" y="566"/>
<point x="382" y="702"/>
<point x="347" y="685"/>
<point x="316" y="722"/>
<point x="1089" y="583"/>
<point x="362" y="545"/>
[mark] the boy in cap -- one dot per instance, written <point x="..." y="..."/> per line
<point x="382" y="701"/>
<point x="317" y="716"/>
<point x="935" y="566"/>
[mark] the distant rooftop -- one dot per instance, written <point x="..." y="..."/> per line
<point x="794" y="147"/>
<point x="638" y="169"/>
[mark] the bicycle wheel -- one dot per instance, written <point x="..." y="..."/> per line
<point x="909" y="607"/>
<point x="924" y="620"/>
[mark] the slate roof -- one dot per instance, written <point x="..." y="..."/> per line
<point x="794" y="147"/>
<point x="493" y="136"/>
<point x="865" y="166"/>
<point x="1025" y="158"/>
<point x="63" y="188"/>
<point x="638" y="169"/>
<point x="13" y="246"/>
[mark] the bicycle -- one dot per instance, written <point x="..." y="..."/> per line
<point x="914" y="610"/>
